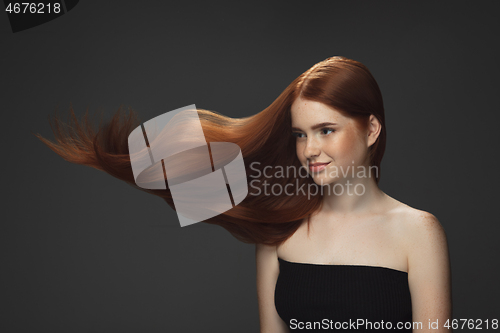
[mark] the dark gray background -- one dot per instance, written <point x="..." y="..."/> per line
<point x="83" y="252"/>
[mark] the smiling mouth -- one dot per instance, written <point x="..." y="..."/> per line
<point x="317" y="167"/>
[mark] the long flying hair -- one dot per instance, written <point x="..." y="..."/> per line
<point x="338" y="82"/>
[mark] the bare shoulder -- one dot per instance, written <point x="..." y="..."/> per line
<point x="420" y="224"/>
<point x="419" y="230"/>
<point x="429" y="270"/>
<point x="265" y="252"/>
<point x="412" y="219"/>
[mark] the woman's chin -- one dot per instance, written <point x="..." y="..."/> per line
<point x="321" y="181"/>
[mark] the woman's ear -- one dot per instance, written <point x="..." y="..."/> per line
<point x="374" y="128"/>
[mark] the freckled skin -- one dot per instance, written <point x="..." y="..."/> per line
<point x="341" y="147"/>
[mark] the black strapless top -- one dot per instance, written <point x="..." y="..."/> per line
<point x="331" y="295"/>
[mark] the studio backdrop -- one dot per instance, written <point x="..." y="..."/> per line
<point x="85" y="252"/>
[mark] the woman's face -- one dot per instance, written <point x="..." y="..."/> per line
<point x="329" y="144"/>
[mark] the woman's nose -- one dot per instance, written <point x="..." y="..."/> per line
<point x="312" y="149"/>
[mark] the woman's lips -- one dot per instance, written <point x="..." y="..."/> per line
<point x="317" y="167"/>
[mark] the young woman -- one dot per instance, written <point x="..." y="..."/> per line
<point x="333" y="251"/>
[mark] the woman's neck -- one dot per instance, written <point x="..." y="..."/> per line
<point x="352" y="196"/>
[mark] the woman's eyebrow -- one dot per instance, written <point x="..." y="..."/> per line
<point x="315" y="126"/>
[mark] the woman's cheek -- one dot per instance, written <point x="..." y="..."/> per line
<point x="300" y="151"/>
<point x="348" y="146"/>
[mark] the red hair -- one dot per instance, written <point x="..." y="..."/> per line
<point x="341" y="83"/>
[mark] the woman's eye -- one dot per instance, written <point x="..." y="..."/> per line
<point x="298" y="135"/>
<point x="327" y="131"/>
